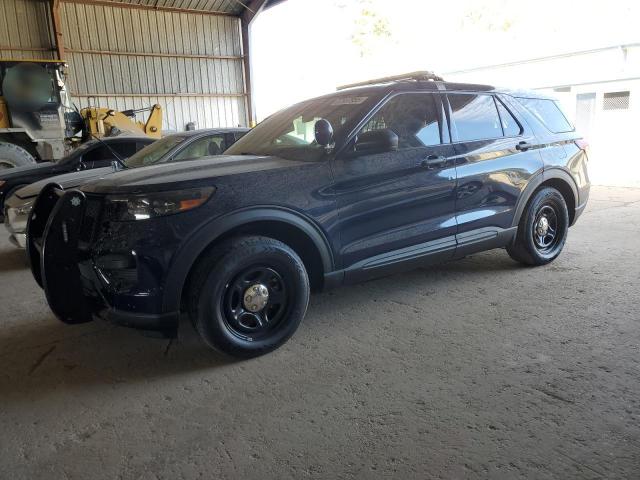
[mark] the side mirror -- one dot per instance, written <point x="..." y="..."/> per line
<point x="377" y="141"/>
<point x="323" y="132"/>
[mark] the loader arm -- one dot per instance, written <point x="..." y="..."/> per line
<point x="101" y="122"/>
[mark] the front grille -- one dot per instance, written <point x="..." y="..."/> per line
<point x="91" y="218"/>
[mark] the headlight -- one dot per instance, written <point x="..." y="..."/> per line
<point x="25" y="209"/>
<point x="157" y="204"/>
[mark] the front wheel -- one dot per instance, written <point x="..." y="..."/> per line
<point x="248" y="296"/>
<point x="12" y="155"/>
<point x="543" y="228"/>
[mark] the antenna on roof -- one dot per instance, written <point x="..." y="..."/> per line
<point x="423" y="75"/>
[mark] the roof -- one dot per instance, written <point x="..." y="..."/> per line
<point x="430" y="85"/>
<point x="224" y="7"/>
<point x="118" y="138"/>
<point x="204" y="131"/>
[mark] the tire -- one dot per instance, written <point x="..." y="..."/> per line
<point x="539" y="241"/>
<point x="12" y="155"/>
<point x="229" y="313"/>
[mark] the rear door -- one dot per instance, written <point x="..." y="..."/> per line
<point x="496" y="156"/>
<point x="402" y="199"/>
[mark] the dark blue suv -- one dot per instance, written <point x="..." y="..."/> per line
<point x="376" y="178"/>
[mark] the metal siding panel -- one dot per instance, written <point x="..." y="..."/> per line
<point x="142" y="80"/>
<point x="25" y="24"/>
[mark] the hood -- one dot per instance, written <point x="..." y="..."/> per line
<point x="66" y="181"/>
<point x="191" y="173"/>
<point x="10" y="173"/>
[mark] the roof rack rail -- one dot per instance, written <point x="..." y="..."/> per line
<point x="415" y="76"/>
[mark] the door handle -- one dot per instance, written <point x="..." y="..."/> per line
<point x="433" y="161"/>
<point x="523" y="146"/>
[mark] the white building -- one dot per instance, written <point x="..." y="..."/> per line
<point x="600" y="92"/>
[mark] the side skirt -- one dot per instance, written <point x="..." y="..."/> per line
<point x="424" y="254"/>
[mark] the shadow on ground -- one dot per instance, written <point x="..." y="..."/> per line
<point x="12" y="260"/>
<point x="48" y="355"/>
<point x="44" y="354"/>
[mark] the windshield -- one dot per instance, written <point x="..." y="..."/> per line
<point x="290" y="133"/>
<point x="154" y="152"/>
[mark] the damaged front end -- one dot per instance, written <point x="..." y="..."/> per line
<point x="82" y="282"/>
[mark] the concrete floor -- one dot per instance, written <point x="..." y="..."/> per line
<point x="474" y="369"/>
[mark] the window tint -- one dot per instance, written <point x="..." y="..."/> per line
<point x="140" y="145"/>
<point x="203" y="147"/>
<point x="100" y="153"/>
<point x="510" y="126"/>
<point x="475" y="116"/>
<point x="124" y="149"/>
<point x="548" y="112"/>
<point x="413" y="117"/>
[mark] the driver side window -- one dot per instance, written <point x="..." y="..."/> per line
<point x="413" y="117"/>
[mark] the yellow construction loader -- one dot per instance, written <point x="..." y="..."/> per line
<point x="38" y="123"/>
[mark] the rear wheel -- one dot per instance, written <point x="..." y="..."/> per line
<point x="248" y="296"/>
<point x="543" y="228"/>
<point x="12" y="155"/>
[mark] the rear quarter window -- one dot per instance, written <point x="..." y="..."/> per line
<point x="548" y="112"/>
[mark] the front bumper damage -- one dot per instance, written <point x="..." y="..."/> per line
<point x="78" y="284"/>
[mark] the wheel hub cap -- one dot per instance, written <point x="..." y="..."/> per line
<point x="255" y="297"/>
<point x="543" y="226"/>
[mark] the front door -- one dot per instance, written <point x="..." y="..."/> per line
<point x="394" y="206"/>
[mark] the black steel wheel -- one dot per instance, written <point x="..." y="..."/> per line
<point x="255" y="301"/>
<point x="543" y="228"/>
<point x="248" y="296"/>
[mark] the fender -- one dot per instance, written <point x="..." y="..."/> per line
<point x="539" y="179"/>
<point x="190" y="250"/>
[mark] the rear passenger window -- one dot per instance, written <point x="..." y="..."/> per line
<point x="510" y="126"/>
<point x="411" y="116"/>
<point x="548" y="112"/>
<point x="475" y="116"/>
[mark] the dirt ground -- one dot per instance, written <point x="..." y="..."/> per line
<point x="474" y="369"/>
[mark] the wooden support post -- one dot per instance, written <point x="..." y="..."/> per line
<point x="54" y="6"/>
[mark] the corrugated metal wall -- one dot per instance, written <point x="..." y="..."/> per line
<point x="190" y="63"/>
<point x="227" y="6"/>
<point x="24" y="30"/>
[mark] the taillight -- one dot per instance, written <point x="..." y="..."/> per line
<point x="582" y="144"/>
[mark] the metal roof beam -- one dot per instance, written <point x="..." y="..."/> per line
<point x="137" y="6"/>
<point x="251" y="9"/>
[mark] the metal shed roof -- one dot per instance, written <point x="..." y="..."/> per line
<point x="223" y="7"/>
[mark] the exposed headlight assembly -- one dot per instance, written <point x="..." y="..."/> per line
<point x="156" y="204"/>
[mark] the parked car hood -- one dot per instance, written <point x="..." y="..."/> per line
<point x="66" y="181"/>
<point x="11" y="173"/>
<point x="185" y="174"/>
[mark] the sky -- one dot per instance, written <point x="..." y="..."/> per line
<point x="304" y="48"/>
